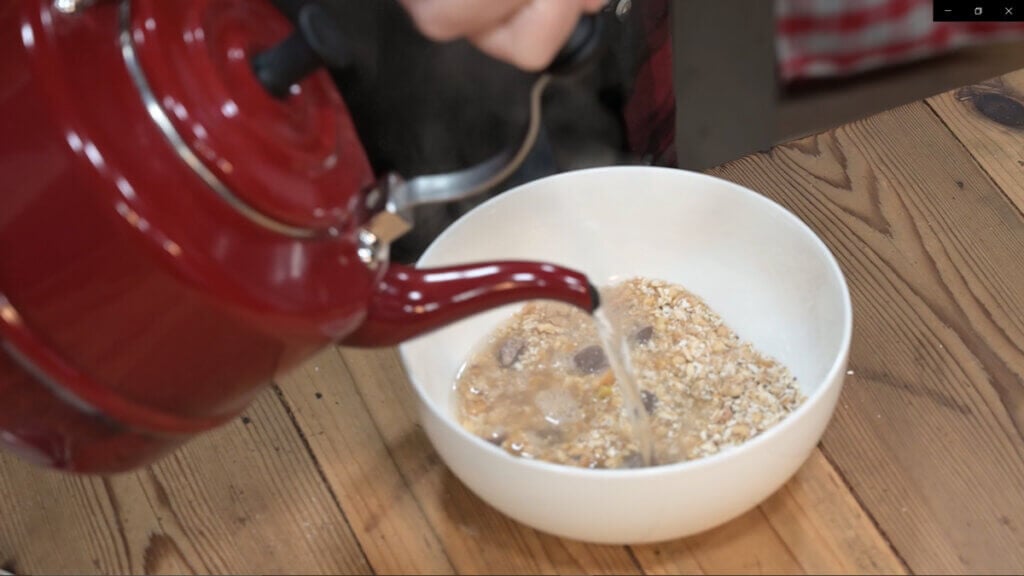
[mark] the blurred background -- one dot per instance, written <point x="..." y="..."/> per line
<point x="687" y="83"/>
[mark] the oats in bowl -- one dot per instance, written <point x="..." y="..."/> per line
<point x="542" y="386"/>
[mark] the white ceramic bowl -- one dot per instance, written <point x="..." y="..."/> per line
<point x="757" y="265"/>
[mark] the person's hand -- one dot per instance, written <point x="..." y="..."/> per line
<point x="525" y="33"/>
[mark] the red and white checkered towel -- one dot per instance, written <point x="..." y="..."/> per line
<point x="830" y="38"/>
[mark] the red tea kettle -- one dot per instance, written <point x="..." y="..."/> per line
<point x="185" y="211"/>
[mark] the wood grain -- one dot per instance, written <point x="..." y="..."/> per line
<point x="928" y="432"/>
<point x="386" y="518"/>
<point x="812" y="525"/>
<point x="988" y="118"/>
<point x="244" y="499"/>
<point x="410" y="515"/>
<point x="477" y="538"/>
<point x="821" y="522"/>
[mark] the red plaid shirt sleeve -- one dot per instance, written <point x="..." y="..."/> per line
<point x="649" y="113"/>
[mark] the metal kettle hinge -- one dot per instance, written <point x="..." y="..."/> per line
<point x="392" y="218"/>
<point x="393" y="200"/>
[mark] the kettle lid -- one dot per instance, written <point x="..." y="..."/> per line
<point x="292" y="162"/>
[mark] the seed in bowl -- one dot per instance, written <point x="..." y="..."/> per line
<point x="541" y="385"/>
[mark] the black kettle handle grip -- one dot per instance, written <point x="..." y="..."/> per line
<point x="583" y="46"/>
<point x="316" y="42"/>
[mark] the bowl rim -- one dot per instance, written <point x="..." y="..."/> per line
<point x="832" y="378"/>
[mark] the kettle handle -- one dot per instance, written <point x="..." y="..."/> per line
<point x="582" y="47"/>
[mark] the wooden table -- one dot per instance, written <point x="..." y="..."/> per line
<point x="922" y="469"/>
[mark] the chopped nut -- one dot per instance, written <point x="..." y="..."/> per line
<point x="547" y="328"/>
<point x="733" y="390"/>
<point x="722" y="416"/>
<point x="741" y="431"/>
<point x="475" y="405"/>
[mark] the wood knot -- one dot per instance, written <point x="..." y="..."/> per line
<point x="1001" y="109"/>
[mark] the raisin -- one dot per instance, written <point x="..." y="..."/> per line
<point x="591" y="360"/>
<point x="650" y="400"/>
<point x="643" y="335"/>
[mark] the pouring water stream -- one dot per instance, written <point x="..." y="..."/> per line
<point x="616" y="348"/>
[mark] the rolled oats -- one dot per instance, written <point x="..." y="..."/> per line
<point x="541" y="388"/>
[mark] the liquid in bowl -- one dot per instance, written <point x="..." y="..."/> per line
<point x="671" y="383"/>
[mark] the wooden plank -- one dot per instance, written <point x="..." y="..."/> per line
<point x="725" y="85"/>
<point x="825" y="527"/>
<point x="812" y="525"/>
<point x="928" y="432"/>
<point x="988" y="118"/>
<point x="244" y="499"/>
<point x="746" y="545"/>
<point x="52" y="523"/>
<point x="395" y="535"/>
<point x="477" y="538"/>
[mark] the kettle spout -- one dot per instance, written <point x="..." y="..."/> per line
<point x="409" y="302"/>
